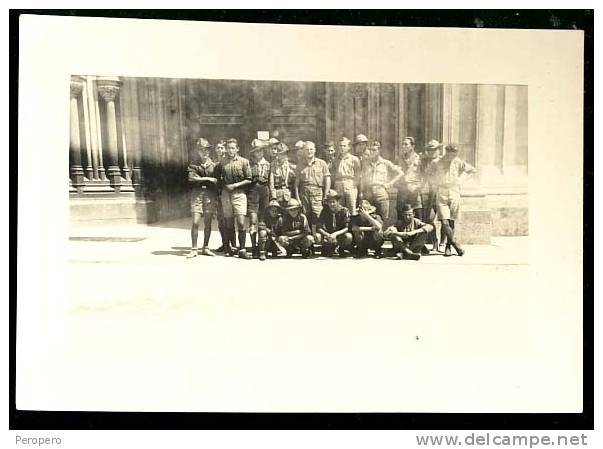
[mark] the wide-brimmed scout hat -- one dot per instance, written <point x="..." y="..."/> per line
<point x="406" y="208"/>
<point x="453" y="148"/>
<point x="273" y="141"/>
<point x="433" y="144"/>
<point x="257" y="145"/>
<point x="360" y="138"/>
<point x="332" y="194"/>
<point x="281" y="148"/>
<point x="203" y="143"/>
<point x="273" y="203"/>
<point x="292" y="204"/>
<point x="366" y="206"/>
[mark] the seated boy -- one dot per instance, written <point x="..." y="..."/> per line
<point x="295" y="231"/>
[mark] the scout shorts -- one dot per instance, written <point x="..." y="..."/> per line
<point x="233" y="203"/>
<point x="203" y="201"/>
<point x="257" y="199"/>
<point x="379" y="197"/>
<point x="348" y="193"/>
<point x="448" y="204"/>
<point x="311" y="200"/>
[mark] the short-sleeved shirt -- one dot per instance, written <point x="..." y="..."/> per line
<point x="283" y="175"/>
<point x="415" y="223"/>
<point x="260" y="172"/>
<point x="273" y="225"/>
<point x="204" y="170"/>
<point x="346" y="167"/>
<point x="299" y="223"/>
<point x="334" y="221"/>
<point x="411" y="166"/>
<point x="231" y="171"/>
<point x="378" y="172"/>
<point x="312" y="173"/>
<point x="449" y="176"/>
<point x="361" y="220"/>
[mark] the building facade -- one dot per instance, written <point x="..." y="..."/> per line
<point x="131" y="138"/>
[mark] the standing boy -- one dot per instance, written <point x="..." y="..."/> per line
<point x="312" y="182"/>
<point x="259" y="191"/>
<point x="234" y="174"/>
<point x="347" y="171"/>
<point x="450" y="171"/>
<point x="282" y="176"/>
<point x="203" y="196"/>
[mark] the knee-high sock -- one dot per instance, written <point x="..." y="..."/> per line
<point x="242" y="239"/>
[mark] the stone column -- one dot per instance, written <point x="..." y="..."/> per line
<point x="108" y="88"/>
<point x="75" y="155"/>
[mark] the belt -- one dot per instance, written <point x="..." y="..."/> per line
<point x="347" y="178"/>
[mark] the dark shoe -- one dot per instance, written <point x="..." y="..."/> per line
<point x="289" y="254"/>
<point x="221" y="249"/>
<point x="361" y="253"/>
<point x="243" y="254"/>
<point x="262" y="255"/>
<point x="424" y="251"/>
<point x="228" y="252"/>
<point x="343" y="253"/>
<point x="306" y="253"/>
<point x="255" y="252"/>
<point x="378" y="253"/>
<point x="274" y="254"/>
<point x="459" y="250"/>
<point x="407" y="254"/>
<point x="447" y="251"/>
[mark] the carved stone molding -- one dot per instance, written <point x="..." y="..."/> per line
<point x="75" y="88"/>
<point x="108" y="88"/>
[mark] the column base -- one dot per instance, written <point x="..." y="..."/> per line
<point x="96" y="185"/>
<point x="110" y="210"/>
<point x="475" y="224"/>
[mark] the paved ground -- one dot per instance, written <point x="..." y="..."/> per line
<point x="148" y="329"/>
<point x="170" y="242"/>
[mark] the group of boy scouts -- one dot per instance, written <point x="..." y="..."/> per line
<point x="336" y="205"/>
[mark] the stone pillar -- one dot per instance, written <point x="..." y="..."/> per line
<point x="75" y="155"/>
<point x="108" y="88"/>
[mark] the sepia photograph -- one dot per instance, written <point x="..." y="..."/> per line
<point x="261" y="218"/>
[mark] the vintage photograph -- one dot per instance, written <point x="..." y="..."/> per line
<point x="276" y="218"/>
<point x="275" y="169"/>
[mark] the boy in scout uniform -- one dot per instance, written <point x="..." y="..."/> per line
<point x="220" y="155"/>
<point x="409" y="187"/>
<point x="449" y="172"/>
<point x="295" y="232"/>
<point x="408" y="235"/>
<point x="203" y="196"/>
<point x="258" y="194"/>
<point x="346" y="172"/>
<point x="234" y="175"/>
<point x="378" y="175"/>
<point x="282" y="176"/>
<point x="429" y="188"/>
<point x="312" y="182"/>
<point x="334" y="227"/>
<point x="367" y="229"/>
<point x="269" y="230"/>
